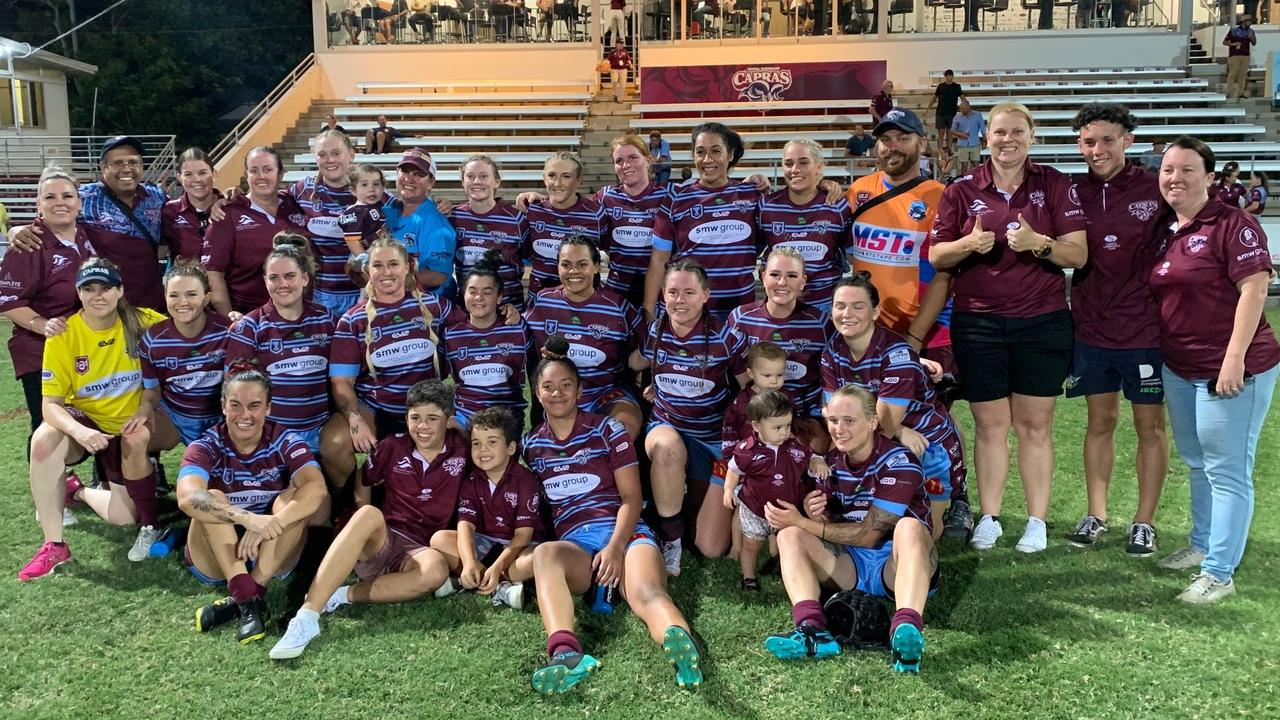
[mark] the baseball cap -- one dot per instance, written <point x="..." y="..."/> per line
<point x="899" y="119"/>
<point x="120" y="141"/>
<point x="419" y="159"/>
<point x="98" y="274"/>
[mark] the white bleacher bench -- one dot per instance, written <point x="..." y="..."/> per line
<point x="1139" y="72"/>
<point x="445" y="176"/>
<point x="443" y="159"/>
<point x="463" y="111"/>
<point x="1044" y="116"/>
<point x="831" y="171"/>
<point x="1091" y="85"/>
<point x="484" y="143"/>
<point x="1199" y="130"/>
<point x="477" y="125"/>
<point x="753" y="139"/>
<point x="1172" y="98"/>
<point x="471" y="97"/>
<point x="755" y="155"/>
<point x="648" y="124"/>
<point x="475" y="85"/>
<point x="1266" y="166"/>
<point x="703" y="108"/>
<point x="1220" y="149"/>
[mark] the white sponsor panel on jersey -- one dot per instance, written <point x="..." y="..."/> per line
<point x="197" y="380"/>
<point x="633" y="236"/>
<point x="324" y="227"/>
<point x="685" y="386"/>
<point x="795" y="370"/>
<point x="809" y="250"/>
<point x="585" y="355"/>
<point x="563" y="487"/>
<point x="412" y="350"/>
<point x="547" y="248"/>
<point x="301" y="365"/>
<point x="111" y="386"/>
<point x="252" y="500"/>
<point x="471" y="254"/>
<point x="720" y="232"/>
<point x="485" y="374"/>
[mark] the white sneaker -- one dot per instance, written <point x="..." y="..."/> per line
<point x="303" y="628"/>
<point x="1187" y="558"/>
<point x="986" y="533"/>
<point x="141" y="550"/>
<point x="1206" y="589"/>
<point x="449" y="587"/>
<point x="337" y="599"/>
<point x="509" y="594"/>
<point x="68" y="518"/>
<point x="1034" y="537"/>
<point x="671" y="555"/>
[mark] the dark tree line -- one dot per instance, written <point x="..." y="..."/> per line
<point x="167" y="66"/>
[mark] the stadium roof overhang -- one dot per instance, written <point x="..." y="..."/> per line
<point x="23" y="57"/>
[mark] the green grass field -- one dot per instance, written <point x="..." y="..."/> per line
<point x="1065" y="634"/>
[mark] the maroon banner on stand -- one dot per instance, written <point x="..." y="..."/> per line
<point x="859" y="80"/>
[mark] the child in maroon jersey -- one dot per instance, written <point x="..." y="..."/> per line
<point x="388" y="547"/>
<point x="773" y="466"/>
<point x="767" y="368"/>
<point x="498" y="523"/>
<point x="363" y="221"/>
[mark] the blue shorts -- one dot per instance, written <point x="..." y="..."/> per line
<point x="593" y="536"/>
<point x="338" y="303"/>
<point x="1097" y="371"/>
<point x="189" y="428"/>
<point x="701" y="456"/>
<point x="213" y="582"/>
<point x="936" y="465"/>
<point x="868" y="565"/>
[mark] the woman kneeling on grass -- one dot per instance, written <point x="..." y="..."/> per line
<point x="92" y="384"/>
<point x="388" y="548"/>
<point x="251" y="488"/>
<point x="587" y="465"/>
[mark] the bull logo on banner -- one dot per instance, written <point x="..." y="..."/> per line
<point x="761" y="84"/>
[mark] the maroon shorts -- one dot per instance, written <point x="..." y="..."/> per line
<point x="108" y="461"/>
<point x="395" y="552"/>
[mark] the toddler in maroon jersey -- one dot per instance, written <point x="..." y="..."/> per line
<point x="767" y="368"/>
<point x="773" y="466"/>
<point x="499" y="525"/>
<point x="363" y="221"/>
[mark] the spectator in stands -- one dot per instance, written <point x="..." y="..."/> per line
<point x="331" y="123"/>
<point x="659" y="157"/>
<point x="381" y="140"/>
<point x="1045" y="7"/>
<point x="1259" y="190"/>
<point x="1220" y="362"/>
<point x="882" y="103"/>
<point x="1011" y="329"/>
<point x="1151" y="160"/>
<point x="421" y="21"/>
<point x="944" y="168"/>
<point x="121" y="214"/>
<point x="619" y="67"/>
<point x="705" y="12"/>
<point x="185" y="218"/>
<point x="616" y="20"/>
<point x="1239" y="41"/>
<point x="1117" y="346"/>
<point x="686" y="174"/>
<point x="946" y="97"/>
<point x="4" y="219"/>
<point x="969" y="129"/>
<point x="859" y="143"/>
<point x="414" y="220"/>
<point x="351" y="20"/>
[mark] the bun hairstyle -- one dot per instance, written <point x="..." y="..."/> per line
<point x="294" y="247"/>
<point x="732" y="140"/>
<point x="859" y="279"/>
<point x="245" y="370"/>
<point x="568" y="365"/>
<point x="487" y="266"/>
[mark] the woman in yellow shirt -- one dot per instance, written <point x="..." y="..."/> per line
<point x="92" y="385"/>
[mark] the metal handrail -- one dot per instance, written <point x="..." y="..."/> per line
<point x="260" y="110"/>
<point x="25" y="157"/>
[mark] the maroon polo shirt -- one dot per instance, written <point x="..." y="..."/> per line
<point x="497" y="511"/>
<point x="1111" y="302"/>
<point x="1195" y="286"/>
<point x="882" y="103"/>
<point x="239" y="243"/>
<point x="45" y="281"/>
<point x="422" y="496"/>
<point x="1000" y="281"/>
<point x="182" y="227"/>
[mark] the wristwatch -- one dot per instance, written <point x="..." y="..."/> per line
<point x="1044" y="251"/>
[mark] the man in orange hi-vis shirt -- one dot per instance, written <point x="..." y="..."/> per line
<point x="891" y="237"/>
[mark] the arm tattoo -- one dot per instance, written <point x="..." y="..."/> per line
<point x="205" y="502"/>
<point x="875" y="527"/>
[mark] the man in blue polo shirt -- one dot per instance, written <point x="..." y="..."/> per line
<point x="417" y="223"/>
<point x="969" y="130"/>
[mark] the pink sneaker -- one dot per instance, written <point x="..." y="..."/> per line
<point x="73" y="486"/>
<point x="49" y="556"/>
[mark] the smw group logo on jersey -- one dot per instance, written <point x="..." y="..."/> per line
<point x="760" y="84"/>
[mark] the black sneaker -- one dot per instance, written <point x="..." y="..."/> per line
<point x="219" y="612"/>
<point x="253" y="615"/>
<point x="957" y="520"/>
<point x="1087" y="531"/>
<point x="752" y="584"/>
<point x="1142" y="540"/>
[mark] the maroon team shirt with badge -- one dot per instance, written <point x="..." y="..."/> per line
<point x="737" y="425"/>
<point x="362" y="223"/>
<point x="888" y="479"/>
<point x="1000" y="281"/>
<point x="770" y="474"/>
<point x="498" y="510"/>
<point x="1111" y="301"/>
<point x="253" y="481"/>
<point x="238" y="245"/>
<point x="1195" y="286"/>
<point x="422" y="496"/>
<point x="182" y="227"/>
<point x="45" y="281"/>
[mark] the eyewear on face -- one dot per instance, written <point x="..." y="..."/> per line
<point x="122" y="164"/>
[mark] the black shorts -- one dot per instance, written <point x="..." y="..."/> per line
<point x="1098" y="370"/>
<point x="999" y="356"/>
<point x="943" y="121"/>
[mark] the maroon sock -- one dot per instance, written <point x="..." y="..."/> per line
<point x="143" y="494"/>
<point x="258" y="590"/>
<point x="908" y="616"/>
<point x="671" y="528"/>
<point x="563" y="641"/>
<point x="242" y="588"/>
<point x="809" y="612"/>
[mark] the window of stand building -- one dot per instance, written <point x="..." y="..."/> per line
<point x="30" y="104"/>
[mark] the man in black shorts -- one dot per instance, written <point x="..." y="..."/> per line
<point x="946" y="97"/>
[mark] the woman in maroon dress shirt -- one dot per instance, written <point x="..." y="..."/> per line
<point x="1006" y="231"/>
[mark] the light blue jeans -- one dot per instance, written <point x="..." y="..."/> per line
<point x="1218" y="439"/>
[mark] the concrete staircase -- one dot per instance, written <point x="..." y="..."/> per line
<point x="608" y="119"/>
